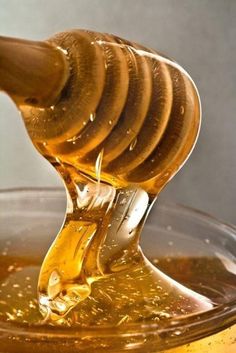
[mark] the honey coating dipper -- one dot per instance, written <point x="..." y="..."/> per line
<point x="117" y="121"/>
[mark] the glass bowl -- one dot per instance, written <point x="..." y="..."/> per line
<point x="182" y="243"/>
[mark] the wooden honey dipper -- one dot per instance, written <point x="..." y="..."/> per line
<point x="107" y="112"/>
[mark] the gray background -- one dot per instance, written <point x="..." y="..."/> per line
<point x="200" y="35"/>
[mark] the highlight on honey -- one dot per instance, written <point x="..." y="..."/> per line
<point x="117" y="121"/>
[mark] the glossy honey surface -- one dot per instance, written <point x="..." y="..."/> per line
<point x="135" y="106"/>
<point x="124" y="123"/>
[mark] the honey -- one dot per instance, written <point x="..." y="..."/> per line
<point x="117" y="121"/>
<point x="21" y="258"/>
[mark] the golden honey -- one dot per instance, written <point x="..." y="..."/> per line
<point x="120" y="122"/>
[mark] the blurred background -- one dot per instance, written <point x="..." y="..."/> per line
<point x="200" y="35"/>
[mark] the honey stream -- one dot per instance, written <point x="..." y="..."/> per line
<point x="120" y="122"/>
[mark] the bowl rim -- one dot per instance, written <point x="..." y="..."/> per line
<point x="59" y="191"/>
<point x="221" y="317"/>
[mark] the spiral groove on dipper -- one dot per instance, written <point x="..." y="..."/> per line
<point x="138" y="107"/>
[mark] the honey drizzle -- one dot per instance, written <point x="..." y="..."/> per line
<point x="122" y="126"/>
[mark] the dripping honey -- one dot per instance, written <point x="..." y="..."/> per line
<point x="124" y="124"/>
